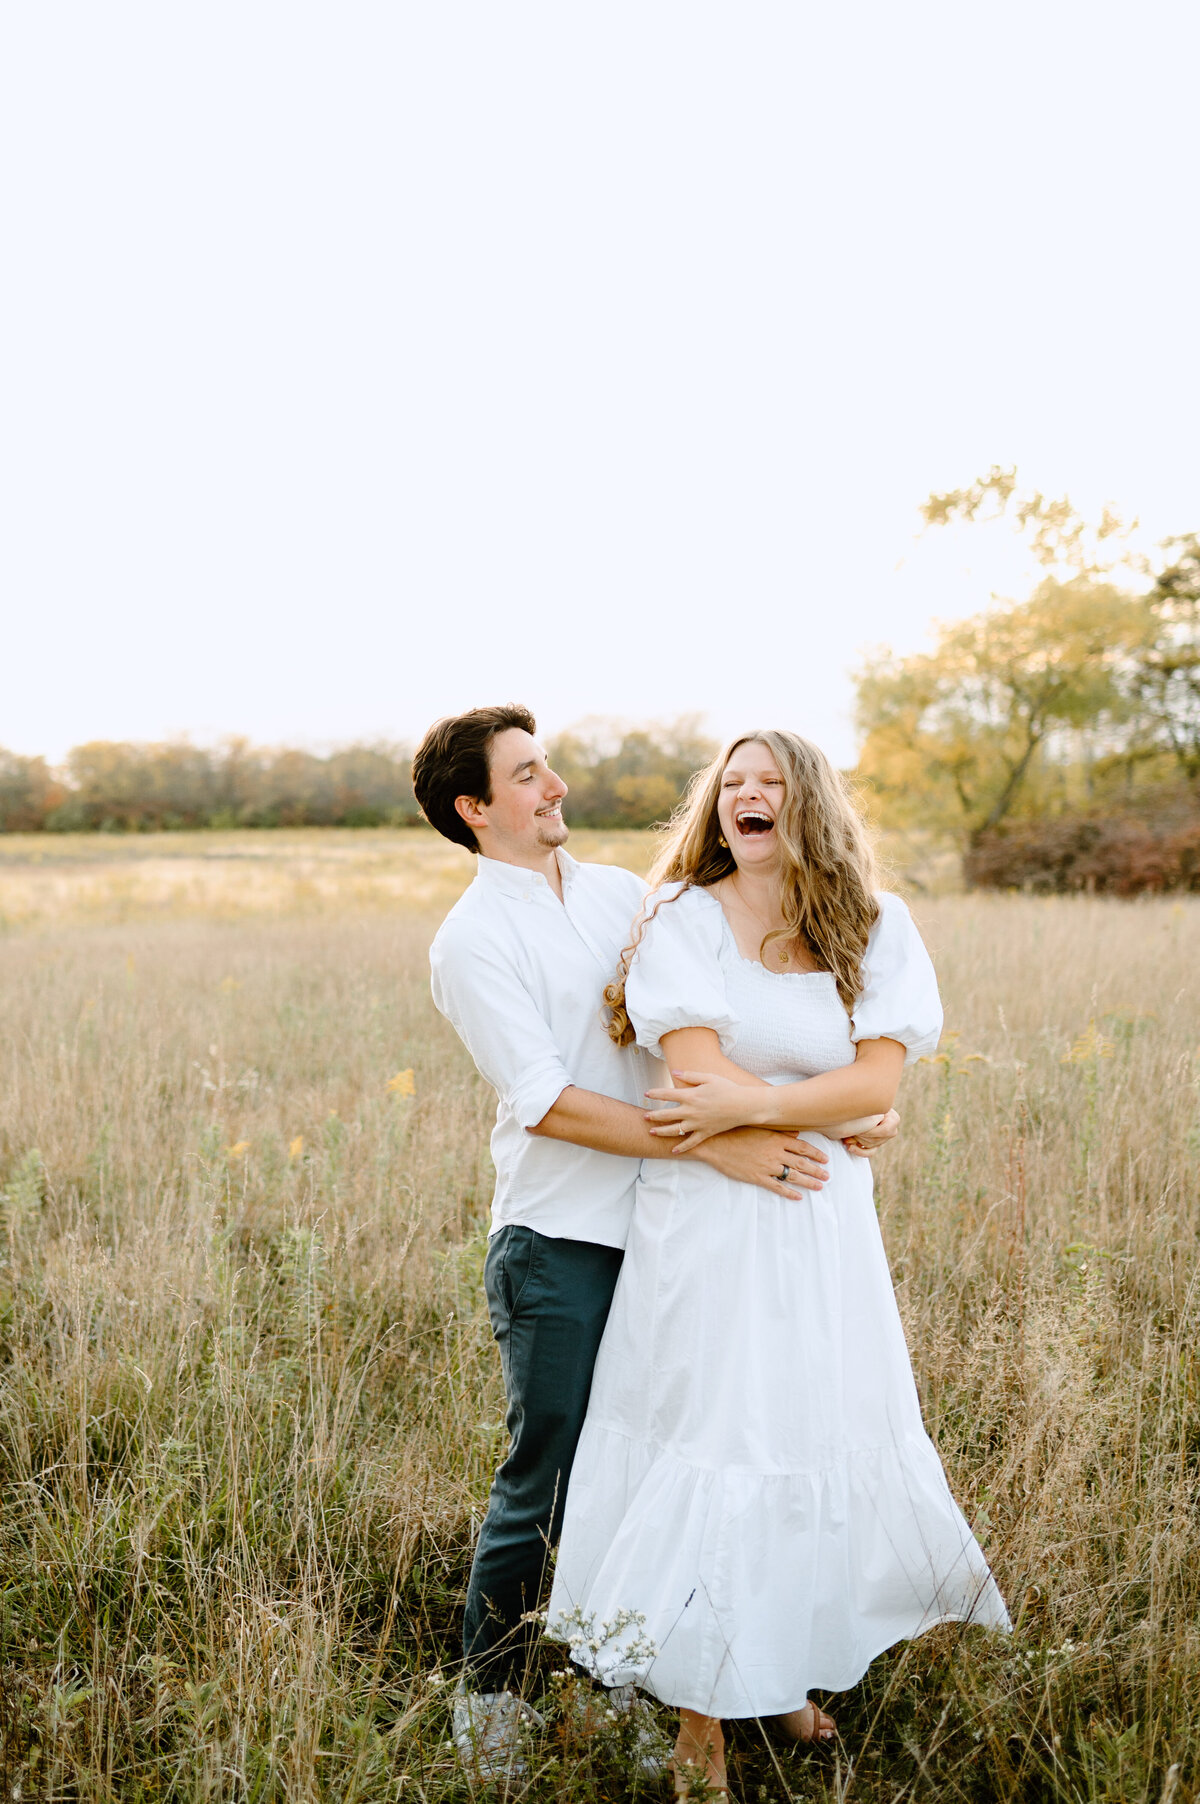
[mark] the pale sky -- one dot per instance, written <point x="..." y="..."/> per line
<point x="365" y="362"/>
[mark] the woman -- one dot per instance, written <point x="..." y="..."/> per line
<point x="755" y="1508"/>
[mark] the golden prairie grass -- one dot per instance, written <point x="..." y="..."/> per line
<point x="94" y="876"/>
<point x="91" y="877"/>
<point x="249" y="1404"/>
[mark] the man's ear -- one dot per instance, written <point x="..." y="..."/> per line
<point x="468" y="807"/>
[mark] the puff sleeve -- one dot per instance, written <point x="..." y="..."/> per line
<point x="900" y="1001"/>
<point x="676" y="978"/>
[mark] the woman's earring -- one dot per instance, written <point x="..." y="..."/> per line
<point x="722" y="841"/>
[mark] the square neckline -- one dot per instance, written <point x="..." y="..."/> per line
<point x="755" y="964"/>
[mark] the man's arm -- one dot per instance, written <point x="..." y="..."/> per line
<point x="749" y="1155"/>
<point x="496" y="1018"/>
<point x="481" y="995"/>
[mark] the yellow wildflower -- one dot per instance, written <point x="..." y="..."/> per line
<point x="1090" y="1045"/>
<point x="237" y="1149"/>
<point x="297" y="1147"/>
<point x="403" y="1084"/>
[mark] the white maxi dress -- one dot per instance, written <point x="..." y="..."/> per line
<point x="755" y="1509"/>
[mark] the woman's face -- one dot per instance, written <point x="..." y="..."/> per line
<point x="752" y="792"/>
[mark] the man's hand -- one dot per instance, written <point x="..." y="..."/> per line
<point x="758" y="1156"/>
<point x="864" y="1145"/>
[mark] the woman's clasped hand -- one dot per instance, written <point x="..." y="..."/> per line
<point x="709" y="1104"/>
<point x="705" y="1105"/>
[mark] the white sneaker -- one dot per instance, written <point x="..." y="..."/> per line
<point x="635" y="1724"/>
<point x="489" y="1728"/>
<point x="648" y="1745"/>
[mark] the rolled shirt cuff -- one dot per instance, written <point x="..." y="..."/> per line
<point x="535" y="1095"/>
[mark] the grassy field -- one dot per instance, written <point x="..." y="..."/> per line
<point x="249" y="1404"/>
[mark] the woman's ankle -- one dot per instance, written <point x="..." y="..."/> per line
<point x="701" y="1740"/>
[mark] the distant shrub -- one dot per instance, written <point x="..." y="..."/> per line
<point x="1114" y="855"/>
<point x="28" y="792"/>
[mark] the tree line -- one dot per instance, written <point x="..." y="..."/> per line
<point x="1055" y="738"/>
<point x="619" y="776"/>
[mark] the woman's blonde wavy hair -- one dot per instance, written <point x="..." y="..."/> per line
<point x="829" y="872"/>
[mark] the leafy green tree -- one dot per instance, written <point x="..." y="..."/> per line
<point x="1161" y="681"/>
<point x="1064" y="543"/>
<point x="1001" y="718"/>
<point x="1165" y="680"/>
<point x="113" y="783"/>
<point x="28" y="793"/>
<point x="958" y="738"/>
<point x="622" y="776"/>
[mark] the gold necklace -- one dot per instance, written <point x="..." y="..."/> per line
<point x="784" y="956"/>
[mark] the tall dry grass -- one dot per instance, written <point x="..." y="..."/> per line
<point x="249" y="1404"/>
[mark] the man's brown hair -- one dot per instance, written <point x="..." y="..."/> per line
<point x="454" y="759"/>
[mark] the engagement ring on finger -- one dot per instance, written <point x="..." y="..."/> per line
<point x="681" y="1129"/>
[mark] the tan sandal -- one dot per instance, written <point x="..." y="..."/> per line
<point x="809" y="1724"/>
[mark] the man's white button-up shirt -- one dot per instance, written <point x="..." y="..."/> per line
<point x="520" y="976"/>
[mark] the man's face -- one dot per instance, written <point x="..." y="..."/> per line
<point x="523" y="821"/>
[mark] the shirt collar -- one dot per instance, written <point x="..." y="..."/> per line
<point x="515" y="880"/>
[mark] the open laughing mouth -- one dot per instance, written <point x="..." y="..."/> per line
<point x="752" y="823"/>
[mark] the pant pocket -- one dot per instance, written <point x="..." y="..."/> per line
<point x="510" y="1265"/>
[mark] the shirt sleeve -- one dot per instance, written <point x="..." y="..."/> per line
<point x="900" y="1000"/>
<point x="676" y="978"/>
<point x="483" y="998"/>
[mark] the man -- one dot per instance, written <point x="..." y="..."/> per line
<point x="519" y="967"/>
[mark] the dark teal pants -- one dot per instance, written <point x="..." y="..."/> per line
<point x="548" y="1301"/>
